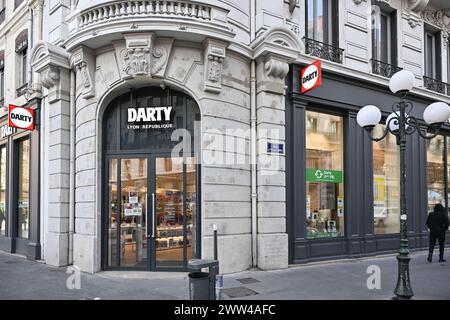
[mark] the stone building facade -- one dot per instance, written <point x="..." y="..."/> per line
<point x="112" y="195"/>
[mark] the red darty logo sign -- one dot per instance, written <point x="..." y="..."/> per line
<point x="311" y="77"/>
<point x="21" y="118"/>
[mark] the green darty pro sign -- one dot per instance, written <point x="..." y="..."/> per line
<point x="320" y="175"/>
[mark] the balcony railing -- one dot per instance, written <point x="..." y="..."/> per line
<point x="436" y="85"/>
<point x="384" y="69"/>
<point x="323" y="50"/>
<point x="118" y="10"/>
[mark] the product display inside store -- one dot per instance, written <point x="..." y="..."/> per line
<point x="386" y="184"/>
<point x="325" y="208"/>
<point x="170" y="216"/>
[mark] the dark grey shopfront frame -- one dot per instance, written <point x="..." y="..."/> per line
<point x="345" y="95"/>
<point x="151" y="156"/>
<point x="30" y="247"/>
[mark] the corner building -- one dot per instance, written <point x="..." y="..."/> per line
<point x="115" y="196"/>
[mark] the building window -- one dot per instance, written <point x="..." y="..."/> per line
<point x="321" y="21"/>
<point x="384" y="42"/>
<point x="386" y="184"/>
<point x="324" y="175"/>
<point x="23" y="188"/>
<point x="22" y="61"/>
<point x="2" y="11"/>
<point x="436" y="171"/>
<point x="2" y="78"/>
<point x="3" y="215"/>
<point x="322" y="30"/>
<point x="17" y="3"/>
<point x="432" y="54"/>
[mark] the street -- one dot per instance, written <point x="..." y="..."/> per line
<point x="336" y="280"/>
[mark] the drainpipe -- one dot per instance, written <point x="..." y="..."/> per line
<point x="72" y="167"/>
<point x="254" y="165"/>
<point x="254" y="204"/>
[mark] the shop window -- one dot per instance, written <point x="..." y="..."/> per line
<point x="23" y="188"/>
<point x="324" y="175"/>
<point x="436" y="172"/>
<point x="386" y="184"/>
<point x="3" y="215"/>
<point x="448" y="175"/>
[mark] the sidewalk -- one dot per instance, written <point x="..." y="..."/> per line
<point x="22" y="279"/>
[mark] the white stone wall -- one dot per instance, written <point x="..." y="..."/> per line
<point x="225" y="188"/>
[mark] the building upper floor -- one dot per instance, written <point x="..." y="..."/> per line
<point x="20" y="28"/>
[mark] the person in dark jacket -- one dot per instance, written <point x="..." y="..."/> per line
<point x="437" y="222"/>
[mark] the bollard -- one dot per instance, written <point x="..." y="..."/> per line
<point x="219" y="287"/>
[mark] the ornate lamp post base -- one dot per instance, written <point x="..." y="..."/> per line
<point x="403" y="289"/>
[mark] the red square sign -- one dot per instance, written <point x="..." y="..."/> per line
<point x="21" y="118"/>
<point x="311" y="77"/>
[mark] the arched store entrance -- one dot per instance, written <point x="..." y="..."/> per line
<point x="151" y="199"/>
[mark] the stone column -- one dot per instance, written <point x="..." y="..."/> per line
<point x="272" y="238"/>
<point x="53" y="66"/>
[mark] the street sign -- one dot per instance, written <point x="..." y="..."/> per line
<point x="311" y="77"/>
<point x="21" y="118"/>
<point x="275" y="148"/>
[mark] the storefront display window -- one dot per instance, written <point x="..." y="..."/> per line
<point x="386" y="184"/>
<point x="23" y="196"/>
<point x="3" y="214"/>
<point x="436" y="172"/>
<point x="325" y="209"/>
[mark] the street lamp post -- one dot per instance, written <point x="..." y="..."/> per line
<point x="401" y="123"/>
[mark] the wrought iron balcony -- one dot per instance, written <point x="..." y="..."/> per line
<point x="384" y="69"/>
<point x="435" y="85"/>
<point x="323" y="50"/>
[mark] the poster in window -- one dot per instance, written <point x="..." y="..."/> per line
<point x="133" y="196"/>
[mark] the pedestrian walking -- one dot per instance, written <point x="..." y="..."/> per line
<point x="437" y="223"/>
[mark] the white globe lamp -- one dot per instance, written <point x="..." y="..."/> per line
<point x="368" y="117"/>
<point x="402" y="82"/>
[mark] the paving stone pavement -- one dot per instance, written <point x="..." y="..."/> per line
<point x="336" y="280"/>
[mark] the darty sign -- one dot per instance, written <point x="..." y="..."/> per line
<point x="311" y="77"/>
<point x="21" y="118"/>
<point x="150" y="118"/>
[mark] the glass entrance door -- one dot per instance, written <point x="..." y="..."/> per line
<point x="175" y="211"/>
<point x="127" y="214"/>
<point x="151" y="212"/>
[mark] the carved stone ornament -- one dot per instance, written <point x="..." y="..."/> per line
<point x="143" y="55"/>
<point x="82" y="61"/>
<point x="48" y="60"/>
<point x="439" y="19"/>
<point x="50" y="77"/>
<point x="359" y="1"/>
<point x="215" y="53"/>
<point x="275" y="68"/>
